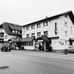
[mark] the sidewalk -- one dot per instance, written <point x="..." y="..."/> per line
<point x="52" y="55"/>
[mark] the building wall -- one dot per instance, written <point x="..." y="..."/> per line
<point x="63" y="24"/>
<point x="59" y="44"/>
<point x="6" y="37"/>
<point x="65" y="29"/>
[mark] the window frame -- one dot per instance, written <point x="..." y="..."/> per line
<point x="38" y="32"/>
<point x="46" y="34"/>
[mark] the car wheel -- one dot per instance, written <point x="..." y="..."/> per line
<point x="66" y="51"/>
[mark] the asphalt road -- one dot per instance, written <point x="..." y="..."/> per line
<point x="15" y="62"/>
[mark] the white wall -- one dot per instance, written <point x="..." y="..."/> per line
<point x="61" y="27"/>
<point x="59" y="44"/>
<point x="51" y="27"/>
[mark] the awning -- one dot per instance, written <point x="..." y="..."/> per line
<point x="53" y="37"/>
<point x="71" y="39"/>
<point x="29" y="39"/>
<point x="17" y="40"/>
<point x="44" y="38"/>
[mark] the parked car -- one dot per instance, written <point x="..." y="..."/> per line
<point x="70" y="49"/>
<point x="5" y="49"/>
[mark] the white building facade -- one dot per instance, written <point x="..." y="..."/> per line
<point x="61" y="26"/>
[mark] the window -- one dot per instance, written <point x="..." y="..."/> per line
<point x="45" y="23"/>
<point x="30" y="43"/>
<point x="33" y="26"/>
<point x="38" y="33"/>
<point x="32" y="34"/>
<point x="16" y="31"/>
<point x="46" y="33"/>
<point x="27" y="35"/>
<point x="66" y="24"/>
<point x="13" y="31"/>
<point x="38" y="25"/>
<point x="27" y="28"/>
<point x="66" y="33"/>
<point x="55" y="29"/>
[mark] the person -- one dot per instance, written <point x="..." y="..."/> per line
<point x="37" y="46"/>
<point x="41" y="46"/>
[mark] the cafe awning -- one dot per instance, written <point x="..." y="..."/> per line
<point x="44" y="38"/>
<point x="29" y="39"/>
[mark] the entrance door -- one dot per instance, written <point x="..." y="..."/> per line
<point x="48" y="48"/>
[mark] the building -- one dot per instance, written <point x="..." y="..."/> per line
<point x="10" y="32"/>
<point x="52" y="31"/>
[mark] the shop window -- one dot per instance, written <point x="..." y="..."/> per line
<point x="30" y="43"/>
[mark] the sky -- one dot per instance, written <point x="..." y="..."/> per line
<point x="23" y="12"/>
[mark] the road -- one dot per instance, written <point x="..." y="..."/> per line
<point x="17" y="62"/>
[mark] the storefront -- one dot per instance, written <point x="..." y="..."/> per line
<point x="28" y="43"/>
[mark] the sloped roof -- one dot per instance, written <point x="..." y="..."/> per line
<point x="53" y="17"/>
<point x="17" y="40"/>
<point x="8" y="27"/>
<point x="15" y="27"/>
<point x="44" y="38"/>
<point x="29" y="39"/>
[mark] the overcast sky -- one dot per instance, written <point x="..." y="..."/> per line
<point x="22" y="12"/>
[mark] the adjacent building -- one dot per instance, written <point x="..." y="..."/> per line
<point x="10" y="32"/>
<point x="55" y="31"/>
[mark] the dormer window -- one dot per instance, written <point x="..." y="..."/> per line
<point x="16" y="31"/>
<point x="13" y="31"/>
